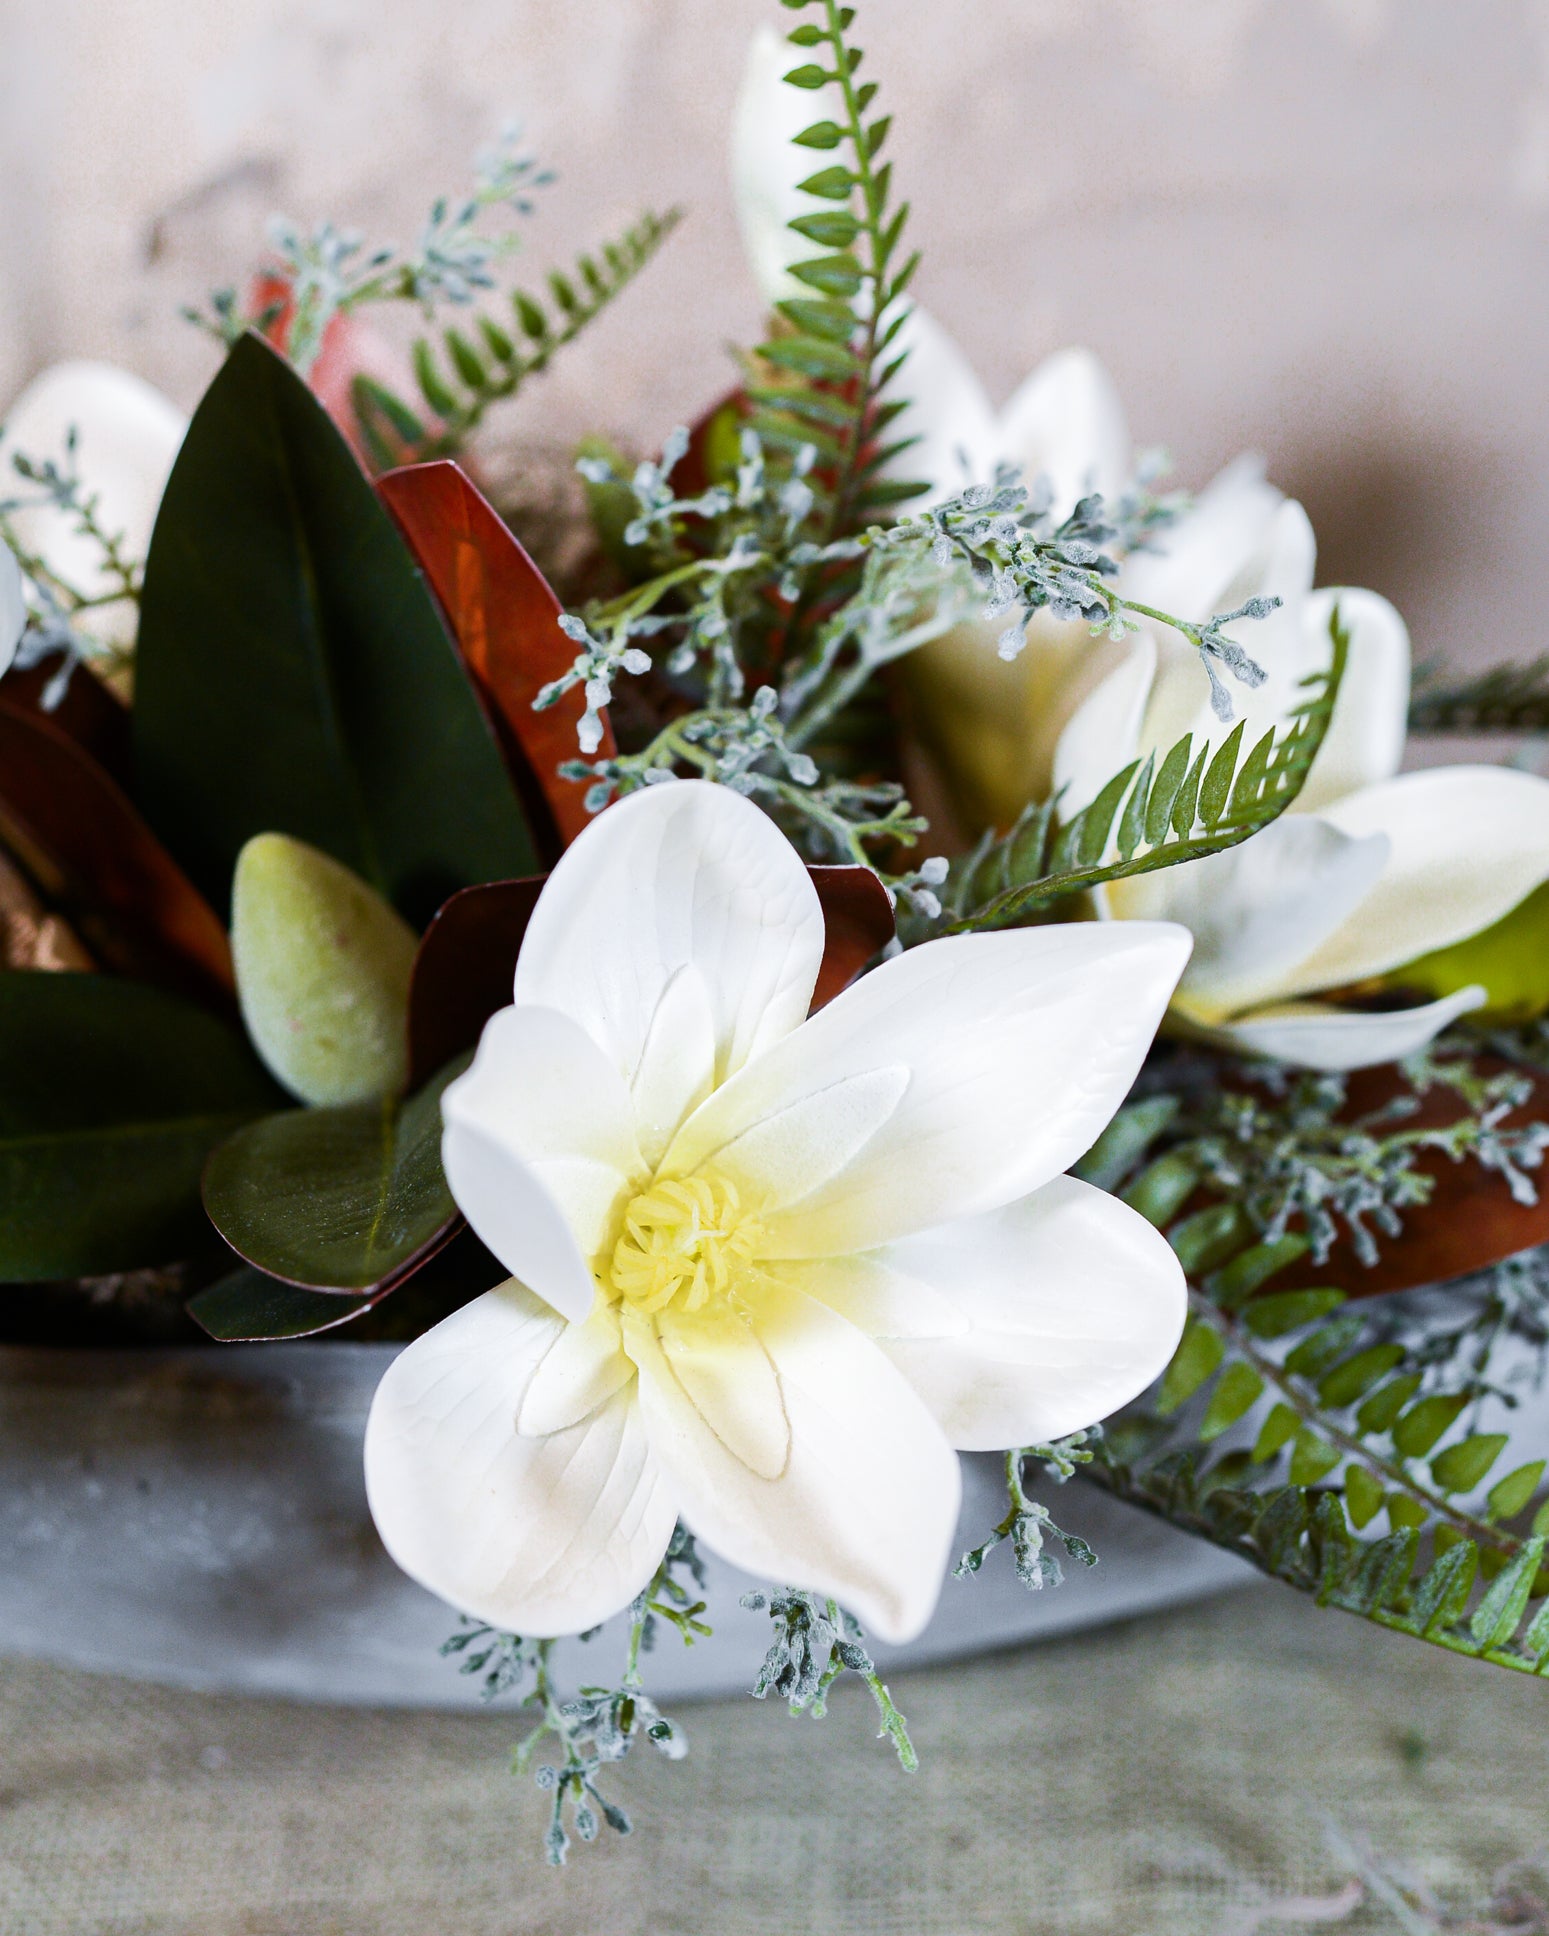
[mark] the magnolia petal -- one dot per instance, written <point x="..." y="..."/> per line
<point x="1073" y="1302"/>
<point x="1066" y="423"/>
<point x="677" y="874"/>
<point x="766" y="165"/>
<point x="1019" y="1048"/>
<point x="726" y="1375"/>
<point x="787" y="1156"/>
<point x="13" y="607"/>
<point x="1317" y="1035"/>
<point x="538" y="1147"/>
<point x="865" y="1508"/>
<point x="1467" y="844"/>
<point x="1258" y="909"/>
<point x="1104" y="733"/>
<point x="874" y="1294"/>
<point x="677" y="1061"/>
<point x="1365" y="738"/>
<point x="539" y="1536"/>
<point x="582" y="1369"/>
<point x="127" y="435"/>
<point x="956" y="441"/>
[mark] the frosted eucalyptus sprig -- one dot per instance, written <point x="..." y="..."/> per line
<point x="598" y="1725"/>
<point x="330" y="271"/>
<point x="815" y="1642"/>
<point x="1028" y="1524"/>
<point x="60" y="619"/>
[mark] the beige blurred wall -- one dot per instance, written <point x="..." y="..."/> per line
<point x="1320" y="227"/>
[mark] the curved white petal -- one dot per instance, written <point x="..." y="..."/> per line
<point x="538" y="1536"/>
<point x="13" y="607"/>
<point x="766" y="166"/>
<point x="1018" y="1046"/>
<point x="683" y="874"/>
<point x="1365" y="738"/>
<point x="956" y="442"/>
<point x="1066" y="423"/>
<point x="582" y="1369"/>
<point x="865" y="1507"/>
<point x="1258" y="909"/>
<point x="1103" y="735"/>
<point x="1467" y="844"/>
<point x="127" y="435"/>
<point x="538" y="1147"/>
<point x="1073" y="1303"/>
<point x="1317" y="1035"/>
<point x="726" y="1374"/>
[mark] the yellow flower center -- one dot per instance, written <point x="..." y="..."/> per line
<point x="686" y="1241"/>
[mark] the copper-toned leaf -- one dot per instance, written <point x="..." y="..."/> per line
<point x="85" y="710"/>
<point x="96" y="862"/>
<point x="466" y="963"/>
<point x="464" y="971"/>
<point x="505" y="619"/>
<point x="859" y="920"/>
<point x="1472" y="1219"/>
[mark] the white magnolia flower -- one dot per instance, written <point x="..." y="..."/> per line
<point x="767" y="1271"/>
<point x="127" y="436"/>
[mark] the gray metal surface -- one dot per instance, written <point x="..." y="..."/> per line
<point x="198" y="1517"/>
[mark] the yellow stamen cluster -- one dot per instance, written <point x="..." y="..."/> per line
<point x="686" y="1240"/>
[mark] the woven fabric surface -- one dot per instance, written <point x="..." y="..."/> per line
<point x="1174" y="1775"/>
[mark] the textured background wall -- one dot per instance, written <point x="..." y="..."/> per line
<point x="1320" y="227"/>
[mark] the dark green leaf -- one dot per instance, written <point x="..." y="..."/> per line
<point x="247" y="1305"/>
<point x="829" y="184"/>
<point x="810" y="76"/>
<point x="1379" y="1411"/>
<point x="832" y="228"/>
<point x="1345" y="1383"/>
<point x="1443" y="1593"/>
<point x="1125" y="1141"/>
<point x="1283" y="1311"/>
<point x="1277" y="1432"/>
<point x="835" y="275"/>
<point x="1363" y="1496"/>
<point x="1237" y="1390"/>
<point x="1235" y="1282"/>
<point x="1193" y="1362"/>
<point x="1508" y="1496"/>
<point x="1463" y="1466"/>
<point x="1162" y="1188"/>
<point x="1210" y="1236"/>
<point x="336" y="1199"/>
<point x="822" y="134"/>
<point x="1496" y="1617"/>
<point x="1312" y="1458"/>
<point x="1423" y="1424"/>
<point x="293" y="674"/>
<point x="111" y="1097"/>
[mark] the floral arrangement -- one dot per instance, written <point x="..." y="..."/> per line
<point x="920" y="944"/>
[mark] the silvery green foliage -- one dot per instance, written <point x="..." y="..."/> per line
<point x="596" y="1726"/>
<point x="1029" y="1525"/>
<point x="329" y="271"/>
<point x="58" y="614"/>
<point x="815" y="1642"/>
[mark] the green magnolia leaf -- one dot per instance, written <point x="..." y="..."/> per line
<point x="322" y="965"/>
<point x="111" y="1097"/>
<point x="346" y="1199"/>
<point x="248" y="1306"/>
<point x="292" y="671"/>
<point x="1510" y="960"/>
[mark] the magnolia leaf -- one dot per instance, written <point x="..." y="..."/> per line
<point x="292" y="672"/>
<point x="322" y="968"/>
<point x="97" y="864"/>
<point x="466" y="965"/>
<point x="1510" y="960"/>
<point x="347" y="1199"/>
<point x="505" y="619"/>
<point x="247" y="1306"/>
<point x="111" y="1097"/>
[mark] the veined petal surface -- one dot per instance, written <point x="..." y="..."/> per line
<point x="1018" y="1048"/>
<point x="865" y="1506"/>
<point x="1072" y="1305"/>
<point x="1467" y="843"/>
<point x="1320" y="1035"/>
<point x="686" y="874"/>
<point x="538" y="1536"/>
<point x="1066" y="423"/>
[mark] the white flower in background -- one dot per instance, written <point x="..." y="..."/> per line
<point x="127" y="435"/>
<point x="1369" y="870"/>
<point x="13" y="607"/>
<point x="767" y="1271"/>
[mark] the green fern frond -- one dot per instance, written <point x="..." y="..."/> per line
<point x="460" y="379"/>
<point x="1148" y="816"/>
<point x="822" y="380"/>
<point x="1339" y="1447"/>
<point x="1506" y="699"/>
